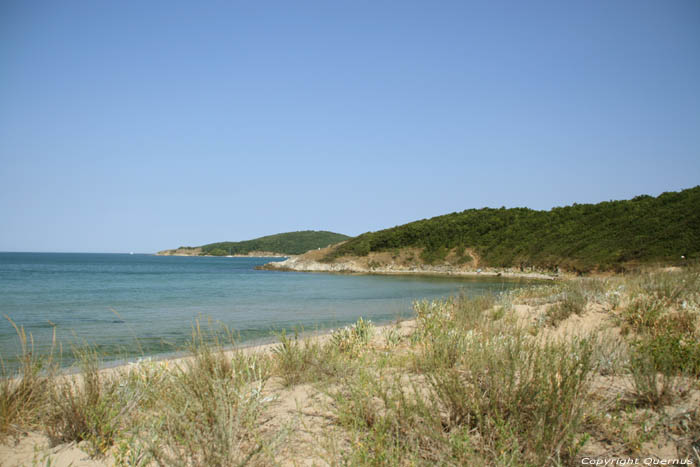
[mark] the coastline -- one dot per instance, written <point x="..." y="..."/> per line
<point x="260" y="346"/>
<point x="226" y="256"/>
<point x="252" y="254"/>
<point x="300" y="264"/>
<point x="34" y="444"/>
<point x="304" y="388"/>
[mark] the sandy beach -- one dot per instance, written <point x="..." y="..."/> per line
<point x="32" y="448"/>
<point x="321" y="399"/>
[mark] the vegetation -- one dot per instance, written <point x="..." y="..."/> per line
<point x="487" y="380"/>
<point x="482" y="393"/>
<point x="90" y="409"/>
<point x="605" y="236"/>
<point x="298" y="361"/>
<point x="24" y="397"/>
<point x="572" y="302"/>
<point x="290" y="243"/>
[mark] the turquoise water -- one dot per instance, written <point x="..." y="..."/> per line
<point x="131" y="305"/>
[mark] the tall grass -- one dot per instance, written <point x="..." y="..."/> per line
<point x="296" y="359"/>
<point x="467" y="386"/>
<point x="24" y="394"/>
<point x="203" y="410"/>
<point x="524" y="400"/>
<point x="209" y="408"/>
<point x="572" y="302"/>
<point x="300" y="360"/>
<point x="661" y="321"/>
<point x="485" y="391"/>
<point x="89" y="407"/>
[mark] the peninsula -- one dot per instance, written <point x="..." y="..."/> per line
<point x="282" y="244"/>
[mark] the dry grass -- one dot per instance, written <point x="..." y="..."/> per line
<point x="24" y="395"/>
<point x="469" y="384"/>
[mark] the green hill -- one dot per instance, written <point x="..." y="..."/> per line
<point x="290" y="243"/>
<point x="582" y="237"/>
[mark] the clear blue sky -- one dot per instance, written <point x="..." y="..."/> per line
<point x="138" y="126"/>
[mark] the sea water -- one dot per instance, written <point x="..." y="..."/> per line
<point x="130" y="305"/>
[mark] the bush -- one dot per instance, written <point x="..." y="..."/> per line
<point x="670" y="354"/>
<point x="580" y="238"/>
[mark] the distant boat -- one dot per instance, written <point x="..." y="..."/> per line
<point x="131" y="253"/>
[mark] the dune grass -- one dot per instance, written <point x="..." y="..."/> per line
<point x="480" y="389"/>
<point x="483" y="380"/>
<point x="211" y="413"/>
<point x="202" y="410"/>
<point x="25" y="394"/>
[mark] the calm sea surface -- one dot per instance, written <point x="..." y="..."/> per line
<point x="133" y="305"/>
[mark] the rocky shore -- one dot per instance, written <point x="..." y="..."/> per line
<point x="359" y="266"/>
<point x="198" y="252"/>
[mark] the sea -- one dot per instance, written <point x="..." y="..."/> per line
<point x="129" y="306"/>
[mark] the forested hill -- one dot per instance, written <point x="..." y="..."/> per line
<point x="289" y="243"/>
<point x="583" y="237"/>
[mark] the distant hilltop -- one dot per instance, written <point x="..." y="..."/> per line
<point x="608" y="236"/>
<point x="283" y="244"/>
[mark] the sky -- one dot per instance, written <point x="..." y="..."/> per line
<point x="140" y="126"/>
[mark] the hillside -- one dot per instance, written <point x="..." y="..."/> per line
<point x="289" y="243"/>
<point x="605" y="236"/>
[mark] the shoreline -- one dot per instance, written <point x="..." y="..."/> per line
<point x="257" y="346"/>
<point x="305" y="392"/>
<point x="225" y="256"/>
<point x="262" y="345"/>
<point x="297" y="264"/>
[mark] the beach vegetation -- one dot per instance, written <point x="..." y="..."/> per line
<point x="297" y="359"/>
<point x="467" y="382"/>
<point x="212" y="411"/>
<point x="24" y="393"/>
<point x="353" y="339"/>
<point x="572" y="301"/>
<point x="91" y="407"/>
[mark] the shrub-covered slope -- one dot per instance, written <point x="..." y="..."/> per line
<point x="582" y="237"/>
<point x="290" y="243"/>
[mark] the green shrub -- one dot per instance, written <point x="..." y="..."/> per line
<point x="583" y="237"/>
<point x="670" y="354"/>
<point x="432" y="255"/>
<point x="291" y="243"/>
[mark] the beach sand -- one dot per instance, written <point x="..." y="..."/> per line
<point x="295" y="406"/>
